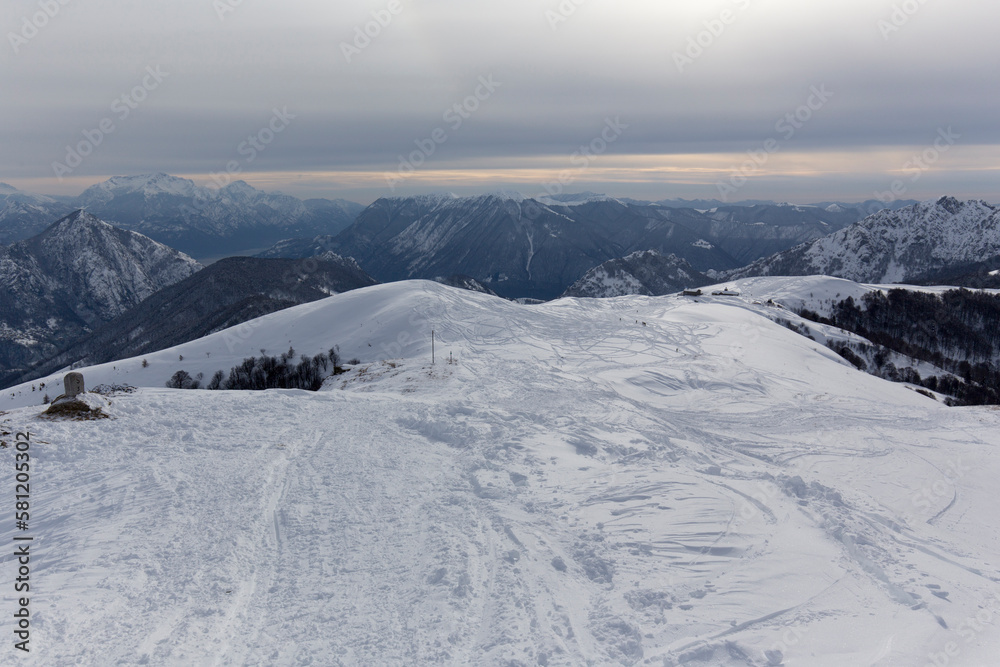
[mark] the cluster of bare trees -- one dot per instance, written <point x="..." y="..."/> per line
<point x="269" y="372"/>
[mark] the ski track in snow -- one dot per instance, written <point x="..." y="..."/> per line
<point x="580" y="488"/>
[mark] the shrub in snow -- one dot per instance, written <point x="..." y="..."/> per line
<point x="183" y="380"/>
<point x="264" y="372"/>
<point x="216" y="381"/>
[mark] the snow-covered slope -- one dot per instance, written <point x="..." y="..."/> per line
<point x="815" y="293"/>
<point x="646" y="273"/>
<point x="465" y="282"/>
<point x="896" y="246"/>
<point x="617" y="481"/>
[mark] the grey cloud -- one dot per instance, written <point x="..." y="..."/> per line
<point x="605" y="60"/>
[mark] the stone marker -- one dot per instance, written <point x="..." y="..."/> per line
<point x="73" y="384"/>
<point x="75" y="404"/>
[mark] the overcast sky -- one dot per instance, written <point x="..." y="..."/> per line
<point x="669" y="96"/>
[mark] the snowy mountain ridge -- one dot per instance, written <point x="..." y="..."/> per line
<point x="23" y="214"/>
<point x="199" y="220"/>
<point x="621" y="481"/>
<point x="538" y="248"/>
<point x="95" y="260"/>
<point x="895" y="246"/>
<point x="210" y="220"/>
<point x="149" y="185"/>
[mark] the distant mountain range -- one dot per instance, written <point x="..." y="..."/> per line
<point x="23" y="215"/>
<point x="76" y="274"/>
<point x="921" y="243"/>
<point x="944" y="242"/>
<point x="85" y="290"/>
<point x="229" y="292"/>
<point x="203" y="222"/>
<point x="522" y="247"/>
<point x="867" y="207"/>
<point x="516" y="246"/>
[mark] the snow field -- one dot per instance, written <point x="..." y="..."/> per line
<point x="579" y="488"/>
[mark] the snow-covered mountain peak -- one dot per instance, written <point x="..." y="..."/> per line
<point x="7" y="189"/>
<point x="947" y="205"/>
<point x="81" y="236"/>
<point x="149" y="185"/>
<point x="210" y="220"/>
<point x="511" y="195"/>
<point x="77" y="219"/>
<point x="79" y="272"/>
<point x="240" y="189"/>
<point x="79" y="215"/>
<point x="950" y="204"/>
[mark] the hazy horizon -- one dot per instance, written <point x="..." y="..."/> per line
<point x="735" y="99"/>
<point x="205" y="181"/>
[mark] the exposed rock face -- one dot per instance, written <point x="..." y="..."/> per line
<point x="646" y="273"/>
<point x="895" y="246"/>
<point x="77" y="274"/>
<point x="523" y="247"/>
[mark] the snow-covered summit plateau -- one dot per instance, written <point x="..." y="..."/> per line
<point x="624" y="481"/>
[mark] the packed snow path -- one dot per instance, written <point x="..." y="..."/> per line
<point x="627" y="481"/>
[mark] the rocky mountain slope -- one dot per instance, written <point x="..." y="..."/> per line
<point x="646" y="273"/>
<point x="515" y="246"/>
<point x="896" y="246"/>
<point x="224" y="294"/>
<point x="748" y="233"/>
<point x="522" y="247"/>
<point x="78" y="273"/>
